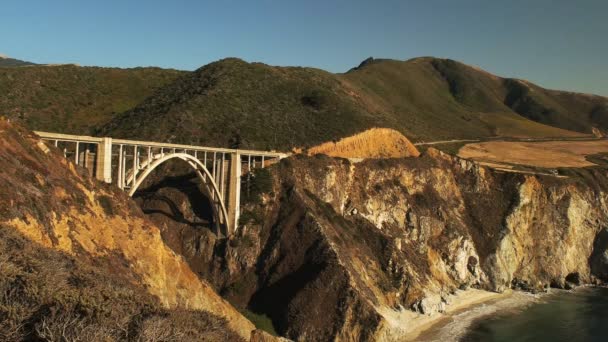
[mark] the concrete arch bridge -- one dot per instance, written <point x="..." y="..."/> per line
<point x="127" y="163"/>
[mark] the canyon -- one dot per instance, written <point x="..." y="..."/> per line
<point x="348" y="250"/>
<point x="359" y="235"/>
<point x="78" y="230"/>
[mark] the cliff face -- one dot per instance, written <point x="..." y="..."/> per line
<point x="348" y="251"/>
<point x="60" y="210"/>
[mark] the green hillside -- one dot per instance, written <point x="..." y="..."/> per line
<point x="73" y="99"/>
<point x="234" y="103"/>
<point x="11" y="62"/>
<point x="421" y="101"/>
<point x="253" y="105"/>
<point x="578" y="112"/>
<point x="262" y="106"/>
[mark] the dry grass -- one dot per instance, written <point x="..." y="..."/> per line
<point x="50" y="296"/>
<point x="547" y="154"/>
<point x="372" y="143"/>
<point x="62" y="278"/>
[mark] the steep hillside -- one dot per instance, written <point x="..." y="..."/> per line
<point x="51" y="296"/>
<point x="255" y="104"/>
<point x="577" y="112"/>
<point x="73" y="99"/>
<point x="6" y="61"/>
<point x="337" y="250"/>
<point x="231" y="102"/>
<point x="79" y="258"/>
<point x="452" y="100"/>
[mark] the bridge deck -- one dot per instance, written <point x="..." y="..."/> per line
<point x="128" y="162"/>
<point x="126" y="142"/>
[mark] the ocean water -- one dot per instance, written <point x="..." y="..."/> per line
<point x="569" y="316"/>
<point x="581" y="315"/>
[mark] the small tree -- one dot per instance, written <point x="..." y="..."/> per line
<point x="258" y="183"/>
<point x="236" y="141"/>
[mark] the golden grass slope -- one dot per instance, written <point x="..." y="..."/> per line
<point x="549" y="154"/>
<point x="372" y="143"/>
<point x="54" y="204"/>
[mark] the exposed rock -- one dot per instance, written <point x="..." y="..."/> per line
<point x="597" y="132"/>
<point x="59" y="207"/>
<point x="599" y="258"/>
<point x="574" y="278"/>
<point x="424" y="228"/>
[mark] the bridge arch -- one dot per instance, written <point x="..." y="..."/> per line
<point x="202" y="172"/>
<point x="99" y="155"/>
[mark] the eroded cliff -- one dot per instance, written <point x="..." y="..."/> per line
<point x="91" y="231"/>
<point x="348" y="251"/>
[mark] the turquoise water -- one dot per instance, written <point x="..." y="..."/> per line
<point x="581" y="315"/>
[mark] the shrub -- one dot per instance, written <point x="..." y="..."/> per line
<point x="257" y="183"/>
<point x="51" y="296"/>
<point x="250" y="216"/>
<point x="260" y="321"/>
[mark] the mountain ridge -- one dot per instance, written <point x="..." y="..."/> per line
<point x="73" y="99"/>
<point x="6" y="61"/>
<point x="371" y="60"/>
<point x="269" y="107"/>
<point x="425" y="99"/>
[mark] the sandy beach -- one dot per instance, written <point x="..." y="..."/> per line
<point x="464" y="308"/>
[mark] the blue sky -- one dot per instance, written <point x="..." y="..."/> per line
<point x="558" y="44"/>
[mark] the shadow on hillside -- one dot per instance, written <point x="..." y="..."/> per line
<point x="172" y="193"/>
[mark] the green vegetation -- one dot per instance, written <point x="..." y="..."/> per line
<point x="470" y="87"/>
<point x="600" y="159"/>
<point x="449" y="148"/>
<point x="257" y="183"/>
<point x="73" y="99"/>
<point x="558" y="109"/>
<point x="11" y="62"/>
<point x="260" y="321"/>
<point x="232" y="103"/>
<point x="426" y="99"/>
<point x="250" y="216"/>
<point x="267" y="107"/>
<point x="509" y="125"/>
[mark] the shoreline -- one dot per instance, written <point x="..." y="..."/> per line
<point x="469" y="306"/>
<point x="468" y="302"/>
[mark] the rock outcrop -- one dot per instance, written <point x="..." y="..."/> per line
<point x="599" y="259"/>
<point x="348" y="251"/>
<point x="58" y="207"/>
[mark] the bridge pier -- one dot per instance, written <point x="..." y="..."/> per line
<point x="234" y="191"/>
<point x="103" y="166"/>
<point x="223" y="178"/>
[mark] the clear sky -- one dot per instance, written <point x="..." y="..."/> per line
<point x="560" y="44"/>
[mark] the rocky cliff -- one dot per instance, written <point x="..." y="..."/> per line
<point x="63" y="233"/>
<point x="347" y="251"/>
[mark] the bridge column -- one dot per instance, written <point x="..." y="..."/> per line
<point x="234" y="192"/>
<point x="103" y="163"/>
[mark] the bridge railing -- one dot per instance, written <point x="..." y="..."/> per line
<point x="120" y="161"/>
<point x="96" y="140"/>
